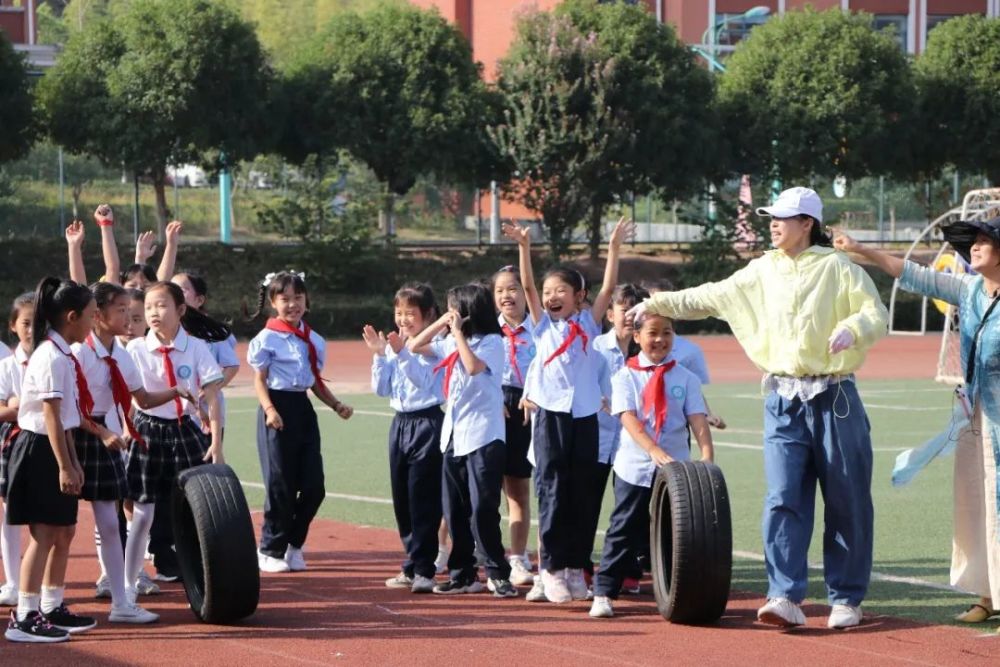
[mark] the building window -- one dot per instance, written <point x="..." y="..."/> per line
<point x="733" y="28"/>
<point x="934" y="20"/>
<point x="895" y="22"/>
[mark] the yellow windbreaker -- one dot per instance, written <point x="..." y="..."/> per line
<point x="783" y="310"/>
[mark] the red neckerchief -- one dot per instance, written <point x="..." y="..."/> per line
<point x="512" y="336"/>
<point x="654" y="395"/>
<point x="575" y="331"/>
<point x="168" y="367"/>
<point x="85" y="402"/>
<point x="119" y="390"/>
<point x="305" y="335"/>
<point x="448" y="365"/>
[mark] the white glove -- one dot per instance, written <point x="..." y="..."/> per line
<point x="840" y="340"/>
<point x="635" y="314"/>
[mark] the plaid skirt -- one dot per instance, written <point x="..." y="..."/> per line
<point x="103" y="468"/>
<point x="5" y="449"/>
<point x="171" y="447"/>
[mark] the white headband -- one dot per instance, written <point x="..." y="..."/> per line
<point x="271" y="276"/>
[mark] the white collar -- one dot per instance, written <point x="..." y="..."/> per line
<point x="180" y="341"/>
<point x="526" y="324"/>
<point x="59" y="342"/>
<point x="644" y="360"/>
<point x="94" y="343"/>
<point x="20" y="355"/>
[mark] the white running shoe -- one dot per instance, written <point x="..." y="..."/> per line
<point x="399" y="581"/>
<point x="131" y="613"/>
<point x="781" y="612"/>
<point x="537" y="592"/>
<point x="577" y="584"/>
<point x="296" y="561"/>
<point x="844" y="616"/>
<point x="520" y="571"/>
<point x="8" y="595"/>
<point x="146" y="586"/>
<point x="422" y="584"/>
<point x="441" y="562"/>
<point x="103" y="587"/>
<point x="271" y="564"/>
<point x="602" y="607"/>
<point x="556" y="589"/>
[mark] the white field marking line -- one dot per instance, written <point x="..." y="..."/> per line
<point x="740" y="445"/>
<point x="878" y="576"/>
<point x="877" y="406"/>
<point x="749" y="555"/>
<point x="366" y="413"/>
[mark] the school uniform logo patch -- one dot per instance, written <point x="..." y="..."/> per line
<point x="184" y="372"/>
<point x="678" y="392"/>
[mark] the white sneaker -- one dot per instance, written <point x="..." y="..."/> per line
<point x="399" y="581"/>
<point x="537" y="592"/>
<point x="422" y="584"/>
<point x="8" y="595"/>
<point x="556" y="589"/>
<point x="103" y="587"/>
<point x="781" y="612"/>
<point x="271" y="564"/>
<point x="520" y="571"/>
<point x="146" y="586"/>
<point x="844" y="616"/>
<point x="577" y="584"/>
<point x="296" y="561"/>
<point x="131" y="613"/>
<point x="602" y="607"/>
<point x="441" y="562"/>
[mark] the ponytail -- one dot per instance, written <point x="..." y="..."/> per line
<point x="817" y="236"/>
<point x="261" y="300"/>
<point x="53" y="299"/>
<point x="273" y="285"/>
<point x="195" y="322"/>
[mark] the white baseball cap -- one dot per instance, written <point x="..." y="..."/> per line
<point x="795" y="201"/>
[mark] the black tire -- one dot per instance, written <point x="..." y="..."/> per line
<point x="216" y="548"/>
<point x="691" y="542"/>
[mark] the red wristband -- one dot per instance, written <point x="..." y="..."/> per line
<point x="104" y="222"/>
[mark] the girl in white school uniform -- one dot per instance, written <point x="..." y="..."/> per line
<point x="114" y="381"/>
<point x="44" y="476"/>
<point x="287" y="357"/>
<point x="472" y="438"/>
<point x="414" y="436"/>
<point x="11" y="373"/>
<point x="563" y="385"/>
<point x="168" y="357"/>
<point x="656" y="399"/>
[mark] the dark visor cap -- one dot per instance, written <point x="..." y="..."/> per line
<point x="961" y="235"/>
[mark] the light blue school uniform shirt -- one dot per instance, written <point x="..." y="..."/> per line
<point x="569" y="383"/>
<point x="224" y="352"/>
<point x="610" y="427"/>
<point x="286" y="358"/>
<point x="684" y="398"/>
<point x="405" y="394"/>
<point x="524" y="353"/>
<point x="473" y="413"/>
<point x="690" y="356"/>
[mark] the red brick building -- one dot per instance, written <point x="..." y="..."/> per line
<point x="19" y="21"/>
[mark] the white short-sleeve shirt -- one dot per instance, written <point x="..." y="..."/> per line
<point x="12" y="374"/>
<point x="50" y="374"/>
<point x="684" y="398"/>
<point x="194" y="367"/>
<point x="4" y="351"/>
<point x="91" y="355"/>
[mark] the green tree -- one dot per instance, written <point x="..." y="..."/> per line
<point x="16" y="117"/>
<point x="958" y="78"/>
<point x="164" y="83"/>
<point x="558" y="126"/>
<point x="668" y="128"/>
<point x="818" y="93"/>
<point x="397" y="88"/>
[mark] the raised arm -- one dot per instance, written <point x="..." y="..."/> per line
<point x="105" y="219"/>
<point x="624" y="230"/>
<point x="74" y="246"/>
<point x="522" y="236"/>
<point x="169" y="260"/>
<point x="473" y="364"/>
<point x="420" y="343"/>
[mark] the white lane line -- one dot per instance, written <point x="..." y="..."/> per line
<point x="337" y="496"/>
<point x="759" y="448"/>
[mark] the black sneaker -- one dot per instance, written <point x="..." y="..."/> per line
<point x="501" y="588"/>
<point x="452" y="587"/>
<point x="62" y="618"/>
<point x="34" y="629"/>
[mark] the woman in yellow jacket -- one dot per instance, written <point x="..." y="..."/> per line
<point x="806" y="316"/>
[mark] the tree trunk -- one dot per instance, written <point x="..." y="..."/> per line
<point x="387" y="218"/>
<point x="594" y="228"/>
<point x="162" y="210"/>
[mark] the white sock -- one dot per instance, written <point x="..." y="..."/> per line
<point x="10" y="551"/>
<point x="52" y="597"/>
<point x="109" y="551"/>
<point x="138" y="534"/>
<point x="27" y="603"/>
